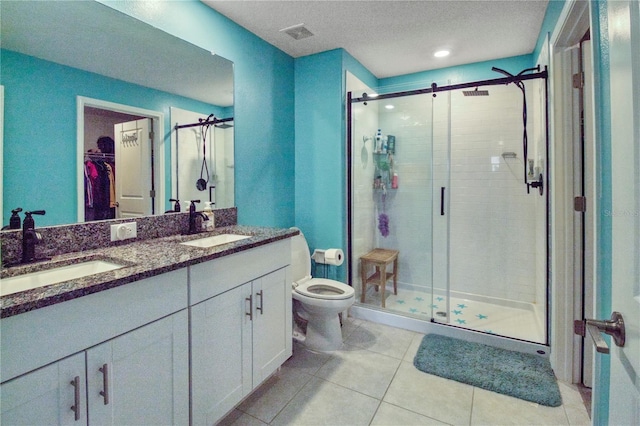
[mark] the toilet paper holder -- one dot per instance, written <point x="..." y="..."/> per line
<point x="328" y="256"/>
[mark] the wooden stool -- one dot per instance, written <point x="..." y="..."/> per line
<point x="380" y="258"/>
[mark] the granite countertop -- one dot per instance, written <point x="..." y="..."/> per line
<point x="141" y="259"/>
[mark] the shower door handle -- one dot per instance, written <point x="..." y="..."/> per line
<point x="442" y="188"/>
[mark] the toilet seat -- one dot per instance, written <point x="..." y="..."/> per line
<point x="321" y="288"/>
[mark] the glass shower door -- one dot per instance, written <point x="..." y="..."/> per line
<point x="440" y="215"/>
<point x="392" y="198"/>
<point x="496" y="227"/>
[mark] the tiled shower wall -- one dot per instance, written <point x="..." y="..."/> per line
<point x="409" y="207"/>
<point x="496" y="231"/>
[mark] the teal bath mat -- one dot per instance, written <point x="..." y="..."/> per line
<point x="516" y="374"/>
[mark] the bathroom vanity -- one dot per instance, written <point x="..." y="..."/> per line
<point x="178" y="335"/>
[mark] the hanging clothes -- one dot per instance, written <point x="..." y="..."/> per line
<point x="100" y="200"/>
<point x="90" y="176"/>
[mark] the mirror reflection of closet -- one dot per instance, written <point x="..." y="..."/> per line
<point x="100" y="201"/>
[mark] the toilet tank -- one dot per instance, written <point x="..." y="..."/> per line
<point x="300" y="258"/>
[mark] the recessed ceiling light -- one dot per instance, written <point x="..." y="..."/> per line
<point x="441" y="53"/>
<point x="389" y="106"/>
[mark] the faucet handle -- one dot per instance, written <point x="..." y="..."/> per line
<point x="39" y="212"/>
<point x="192" y="206"/>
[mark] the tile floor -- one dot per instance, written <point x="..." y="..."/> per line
<point x="372" y="381"/>
<point x="518" y="321"/>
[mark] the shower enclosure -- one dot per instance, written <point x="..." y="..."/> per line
<point x="440" y="175"/>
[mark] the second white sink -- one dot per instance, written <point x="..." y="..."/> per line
<point x="54" y="275"/>
<point x="216" y="240"/>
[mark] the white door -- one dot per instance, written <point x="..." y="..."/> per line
<point x="220" y="354"/>
<point x="589" y="173"/>
<point x="54" y="394"/>
<point x="624" y="39"/>
<point x="146" y="379"/>
<point x="133" y="174"/>
<point x="272" y="329"/>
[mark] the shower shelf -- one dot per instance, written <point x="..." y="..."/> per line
<point x="382" y="175"/>
<point x="383" y="161"/>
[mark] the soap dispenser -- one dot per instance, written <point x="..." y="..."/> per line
<point x="14" y="220"/>
<point x="30" y="237"/>
<point x="208" y="225"/>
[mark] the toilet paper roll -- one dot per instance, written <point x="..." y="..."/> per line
<point x="334" y="257"/>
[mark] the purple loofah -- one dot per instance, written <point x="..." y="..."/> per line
<point x="383" y="224"/>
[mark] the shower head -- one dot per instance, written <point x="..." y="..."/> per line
<point x="475" y="92"/>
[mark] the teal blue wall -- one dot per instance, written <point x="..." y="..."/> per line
<point x="263" y="98"/>
<point x="40" y="136"/>
<point x="321" y="147"/>
<point x="320" y="178"/>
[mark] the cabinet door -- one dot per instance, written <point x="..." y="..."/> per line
<point x="220" y="353"/>
<point x="272" y="325"/>
<point x="47" y="395"/>
<point x="143" y="375"/>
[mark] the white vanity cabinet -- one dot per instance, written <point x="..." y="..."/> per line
<point x="139" y="331"/>
<point x="54" y="394"/>
<point x="141" y="377"/>
<point x="240" y="326"/>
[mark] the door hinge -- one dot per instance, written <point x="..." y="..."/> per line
<point x="152" y="193"/>
<point x="578" y="80"/>
<point x="151" y="135"/>
<point x="580" y="204"/>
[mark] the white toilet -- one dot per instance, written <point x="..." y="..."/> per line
<point x="320" y="300"/>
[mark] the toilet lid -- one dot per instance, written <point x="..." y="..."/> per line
<point x="320" y="288"/>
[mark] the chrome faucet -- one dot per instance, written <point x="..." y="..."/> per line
<point x="193" y="215"/>
<point x="30" y="237"/>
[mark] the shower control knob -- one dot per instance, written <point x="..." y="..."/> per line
<point x="537" y="184"/>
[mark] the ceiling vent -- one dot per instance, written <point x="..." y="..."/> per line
<point x="298" y="32"/>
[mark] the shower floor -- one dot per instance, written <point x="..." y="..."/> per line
<point x="504" y="318"/>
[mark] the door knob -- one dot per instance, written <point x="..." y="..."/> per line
<point x="613" y="327"/>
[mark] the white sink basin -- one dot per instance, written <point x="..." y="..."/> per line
<point x="54" y="275"/>
<point x="216" y="240"/>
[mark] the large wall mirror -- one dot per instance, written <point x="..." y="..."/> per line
<point x="75" y="71"/>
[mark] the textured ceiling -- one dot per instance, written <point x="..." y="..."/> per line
<point x="393" y="38"/>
